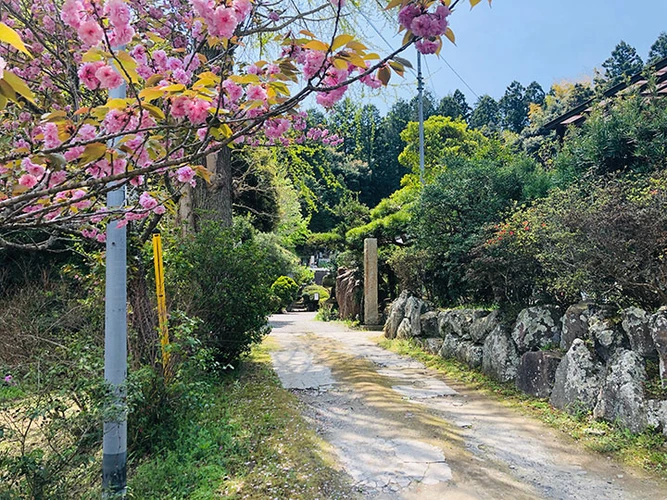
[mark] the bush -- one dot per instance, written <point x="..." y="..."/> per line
<point x="51" y="425"/>
<point x="223" y="276"/>
<point x="605" y="240"/>
<point x="450" y="219"/>
<point x="286" y="289"/>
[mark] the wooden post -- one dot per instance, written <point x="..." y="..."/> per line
<point x="371" y="316"/>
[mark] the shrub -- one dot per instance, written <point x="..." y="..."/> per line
<point x="286" y="289"/>
<point x="450" y="218"/>
<point x="605" y="240"/>
<point x="223" y="276"/>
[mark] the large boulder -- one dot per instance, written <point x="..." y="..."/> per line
<point x="500" y="356"/>
<point x="607" y="335"/>
<point x="482" y="327"/>
<point x="636" y="327"/>
<point x="414" y="308"/>
<point x="537" y="373"/>
<point x="431" y="345"/>
<point x="658" y="329"/>
<point x="578" y="380"/>
<point x="395" y="316"/>
<point x="404" y="330"/>
<point x="576" y="319"/>
<point x="459" y="321"/>
<point x="430" y="324"/>
<point x="656" y="414"/>
<point x="622" y="398"/>
<point x="349" y="291"/>
<point x="453" y="347"/>
<point x="537" y="328"/>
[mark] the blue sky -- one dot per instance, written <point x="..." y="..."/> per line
<point x="525" y="40"/>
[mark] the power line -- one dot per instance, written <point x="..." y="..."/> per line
<point x="370" y="23"/>
<point x="460" y="78"/>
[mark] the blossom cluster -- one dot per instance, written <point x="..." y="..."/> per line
<point x="426" y="25"/>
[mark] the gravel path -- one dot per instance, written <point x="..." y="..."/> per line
<point x="401" y="431"/>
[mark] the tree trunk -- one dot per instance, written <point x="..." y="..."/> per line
<point x="214" y="201"/>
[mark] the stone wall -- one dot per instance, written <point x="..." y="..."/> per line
<point x="586" y="358"/>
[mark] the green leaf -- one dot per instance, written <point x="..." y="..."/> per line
<point x="93" y="152"/>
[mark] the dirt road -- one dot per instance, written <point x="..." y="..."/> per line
<point x="401" y="431"/>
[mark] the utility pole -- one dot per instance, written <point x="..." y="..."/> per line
<point x="114" y="447"/>
<point x="420" y="90"/>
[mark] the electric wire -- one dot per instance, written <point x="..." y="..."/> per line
<point x="374" y="28"/>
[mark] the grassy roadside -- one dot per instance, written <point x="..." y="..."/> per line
<point x="647" y="450"/>
<point x="250" y="443"/>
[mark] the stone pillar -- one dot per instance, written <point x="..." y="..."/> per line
<point x="371" y="281"/>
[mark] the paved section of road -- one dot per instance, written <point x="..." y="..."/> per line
<point x="401" y="431"/>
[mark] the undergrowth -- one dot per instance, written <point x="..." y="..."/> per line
<point x="647" y="450"/>
<point x="247" y="440"/>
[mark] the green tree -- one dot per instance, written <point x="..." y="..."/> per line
<point x="455" y="106"/>
<point x="452" y="213"/>
<point x="387" y="171"/>
<point x="443" y="139"/>
<point x="514" y="108"/>
<point x="486" y="115"/>
<point x="535" y="94"/>
<point x="623" y="63"/>
<point x="658" y="49"/>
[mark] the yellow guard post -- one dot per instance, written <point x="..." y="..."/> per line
<point x="161" y="301"/>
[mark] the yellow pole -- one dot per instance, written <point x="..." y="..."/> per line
<point x="161" y="302"/>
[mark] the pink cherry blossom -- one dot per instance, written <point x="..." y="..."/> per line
<point x="407" y="14"/>
<point x="234" y="91"/>
<point x="28" y="181"/>
<point x="185" y="174"/>
<point x="314" y="62"/>
<point x="51" y="139"/>
<point x="87" y="132"/>
<point x="121" y="35"/>
<point x="242" y="8"/>
<point x="256" y="93"/>
<point x="108" y="77"/>
<point x="197" y="110"/>
<point x="57" y="177"/>
<point x="159" y="210"/>
<point x="223" y="22"/>
<point x="87" y="74"/>
<point x="90" y="32"/>
<point x="118" y="12"/>
<point x="203" y="8"/>
<point x="33" y="169"/>
<point x="147" y="201"/>
<point x="426" y="46"/>
<point x="73" y="13"/>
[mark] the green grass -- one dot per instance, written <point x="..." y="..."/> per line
<point x="251" y="442"/>
<point x="647" y="450"/>
<point x="11" y="393"/>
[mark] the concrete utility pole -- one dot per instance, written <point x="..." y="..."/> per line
<point x="420" y="90"/>
<point x="114" y="447"/>
<point x="371" y="282"/>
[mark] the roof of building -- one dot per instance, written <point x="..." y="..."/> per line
<point x="639" y="82"/>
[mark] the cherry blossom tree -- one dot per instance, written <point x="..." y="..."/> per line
<point x="201" y="76"/>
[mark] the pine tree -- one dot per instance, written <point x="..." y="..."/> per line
<point x="455" y="106"/>
<point x="623" y="63"/>
<point x="658" y="49"/>
<point x="486" y="114"/>
<point x="514" y="108"/>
